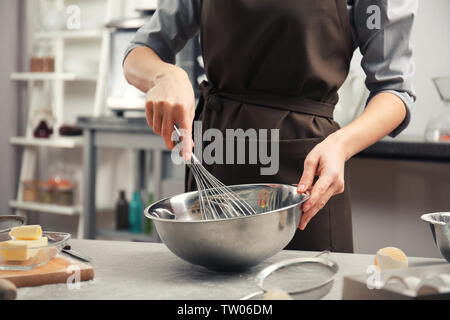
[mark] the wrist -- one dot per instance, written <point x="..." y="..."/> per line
<point x="341" y="140"/>
<point x="168" y="73"/>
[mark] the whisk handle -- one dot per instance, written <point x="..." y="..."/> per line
<point x="194" y="158"/>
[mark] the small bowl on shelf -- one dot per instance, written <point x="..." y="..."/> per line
<point x="21" y="257"/>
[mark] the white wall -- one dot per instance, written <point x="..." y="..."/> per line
<point x="431" y="50"/>
<point x="389" y="196"/>
<point x="431" y="44"/>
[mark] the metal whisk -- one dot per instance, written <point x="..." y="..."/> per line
<point x="216" y="199"/>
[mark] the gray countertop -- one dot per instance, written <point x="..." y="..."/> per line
<point x="401" y="148"/>
<point x="133" y="270"/>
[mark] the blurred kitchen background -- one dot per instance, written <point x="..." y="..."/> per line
<point x="73" y="146"/>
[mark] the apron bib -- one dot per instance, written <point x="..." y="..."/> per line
<point x="278" y="65"/>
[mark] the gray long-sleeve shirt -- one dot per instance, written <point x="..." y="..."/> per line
<point x="380" y="28"/>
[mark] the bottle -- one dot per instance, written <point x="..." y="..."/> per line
<point x="135" y="213"/>
<point x="122" y="212"/>
<point x="148" y="226"/>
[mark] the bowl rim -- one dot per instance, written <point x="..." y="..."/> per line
<point x="66" y="237"/>
<point x="427" y="218"/>
<point x="148" y="216"/>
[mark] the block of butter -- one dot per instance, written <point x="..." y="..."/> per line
<point x="31" y="232"/>
<point x="21" y="250"/>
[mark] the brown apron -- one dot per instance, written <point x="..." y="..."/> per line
<point x="278" y="65"/>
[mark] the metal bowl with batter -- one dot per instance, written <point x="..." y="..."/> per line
<point x="235" y="243"/>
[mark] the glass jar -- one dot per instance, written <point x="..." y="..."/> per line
<point x="65" y="193"/>
<point x="42" y="59"/>
<point x="30" y="191"/>
<point x="438" y="128"/>
<point x="46" y="194"/>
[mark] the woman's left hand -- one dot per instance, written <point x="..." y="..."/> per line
<point x="327" y="161"/>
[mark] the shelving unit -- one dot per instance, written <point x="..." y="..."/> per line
<point x="60" y="142"/>
<point x="45" y="76"/>
<point x="76" y="34"/>
<point x="48" y="208"/>
<point x="57" y="81"/>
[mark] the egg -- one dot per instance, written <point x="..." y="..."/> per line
<point x="276" y="294"/>
<point x="390" y="258"/>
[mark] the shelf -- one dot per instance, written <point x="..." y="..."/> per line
<point x="43" y="207"/>
<point x="126" y="236"/>
<point x="41" y="76"/>
<point x="68" y="34"/>
<point x="60" y="142"/>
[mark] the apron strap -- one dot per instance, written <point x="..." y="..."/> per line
<point x="211" y="97"/>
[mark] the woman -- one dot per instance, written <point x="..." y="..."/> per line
<point x="278" y="65"/>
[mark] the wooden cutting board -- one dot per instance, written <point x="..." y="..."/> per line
<point x="55" y="271"/>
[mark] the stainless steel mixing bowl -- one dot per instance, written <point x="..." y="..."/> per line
<point x="235" y="243"/>
<point x="440" y="228"/>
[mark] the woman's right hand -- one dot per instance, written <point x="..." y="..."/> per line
<point x="171" y="100"/>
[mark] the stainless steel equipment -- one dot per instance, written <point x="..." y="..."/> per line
<point x="216" y="199"/>
<point x="440" y="228"/>
<point x="122" y="96"/>
<point x="235" y="243"/>
<point x="302" y="278"/>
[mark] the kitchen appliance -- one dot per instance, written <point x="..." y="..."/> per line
<point x="438" y="128"/>
<point x="122" y="96"/>
<point x="440" y="229"/>
<point x="231" y="244"/>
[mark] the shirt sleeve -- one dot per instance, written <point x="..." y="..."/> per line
<point x="383" y="30"/>
<point x="169" y="29"/>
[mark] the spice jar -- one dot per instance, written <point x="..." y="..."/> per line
<point x="42" y="59"/>
<point x="46" y="192"/>
<point x="65" y="192"/>
<point x="29" y="190"/>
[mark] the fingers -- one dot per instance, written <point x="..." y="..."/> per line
<point x="161" y="116"/>
<point x="149" y="113"/>
<point x="158" y="112"/>
<point x="309" y="172"/>
<point x="312" y="211"/>
<point x="319" y="190"/>
<point x="167" y="129"/>
<point x="185" y="124"/>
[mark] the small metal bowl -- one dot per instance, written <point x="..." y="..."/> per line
<point x="235" y="243"/>
<point x="440" y="228"/>
<point x="32" y="257"/>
